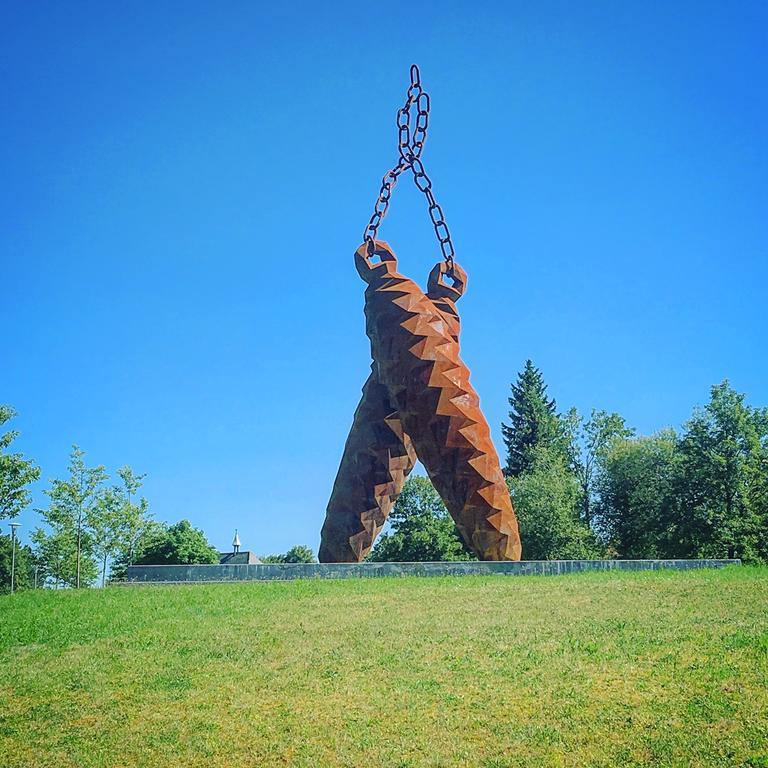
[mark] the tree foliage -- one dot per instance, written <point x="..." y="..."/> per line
<point x="16" y="472"/>
<point x="636" y="489"/>
<point x="129" y="526"/>
<point x="533" y="422"/>
<point x="179" y="544"/>
<point x="89" y="523"/>
<point x="421" y="528"/>
<point x="581" y="489"/>
<point x="699" y="494"/>
<point x="149" y="535"/>
<point x="72" y="503"/>
<point x="56" y="552"/>
<point x="591" y="442"/>
<point x="25" y="565"/>
<point x="723" y="456"/>
<point x="546" y="500"/>
<point x="298" y="554"/>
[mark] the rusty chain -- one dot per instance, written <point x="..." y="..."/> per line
<point x="410" y="143"/>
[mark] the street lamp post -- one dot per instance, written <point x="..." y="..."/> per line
<point x="14" y="526"/>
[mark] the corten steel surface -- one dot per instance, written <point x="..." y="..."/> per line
<point x="417" y="402"/>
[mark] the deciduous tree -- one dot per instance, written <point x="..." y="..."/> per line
<point x="723" y="462"/>
<point x="546" y="498"/>
<point x="104" y="521"/>
<point x="594" y="437"/>
<point x="637" y="509"/>
<point x="119" y="524"/>
<point x="25" y="565"/>
<point x="179" y="544"/>
<point x="16" y="472"/>
<point x="297" y="554"/>
<point x="72" y="501"/>
<point x="56" y="553"/>
<point x="421" y="528"/>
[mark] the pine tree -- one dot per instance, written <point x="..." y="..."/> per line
<point x="534" y="422"/>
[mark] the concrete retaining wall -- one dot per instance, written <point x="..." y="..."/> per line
<point x="165" y="574"/>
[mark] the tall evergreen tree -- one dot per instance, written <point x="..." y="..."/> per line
<point x="534" y="422"/>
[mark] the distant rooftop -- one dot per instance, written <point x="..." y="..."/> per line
<point x="238" y="558"/>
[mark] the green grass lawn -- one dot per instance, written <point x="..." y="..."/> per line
<point x="613" y="669"/>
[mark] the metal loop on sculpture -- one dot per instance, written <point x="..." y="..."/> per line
<point x="437" y="285"/>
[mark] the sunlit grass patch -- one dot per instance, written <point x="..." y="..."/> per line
<point x="667" y="669"/>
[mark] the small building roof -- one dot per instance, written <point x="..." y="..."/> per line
<point x="238" y="558"/>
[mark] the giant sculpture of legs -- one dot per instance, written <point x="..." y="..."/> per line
<point x="377" y="459"/>
<point x="419" y="393"/>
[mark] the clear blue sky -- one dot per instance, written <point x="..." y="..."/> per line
<point x="184" y="184"/>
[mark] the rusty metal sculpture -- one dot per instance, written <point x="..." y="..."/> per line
<point x="418" y="401"/>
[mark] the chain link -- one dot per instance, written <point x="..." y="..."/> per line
<point x="411" y="137"/>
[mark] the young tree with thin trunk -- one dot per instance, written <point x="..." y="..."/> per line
<point x="131" y="483"/>
<point x="103" y="523"/>
<point x="117" y="524"/>
<point x="56" y="554"/>
<point x="73" y="501"/>
<point x="136" y="526"/>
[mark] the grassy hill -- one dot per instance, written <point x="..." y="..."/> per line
<point x="616" y="669"/>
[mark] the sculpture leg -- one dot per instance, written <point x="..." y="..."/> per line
<point x="441" y="412"/>
<point x="378" y="457"/>
<point x="463" y="465"/>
